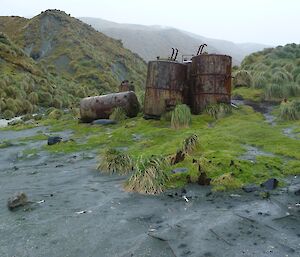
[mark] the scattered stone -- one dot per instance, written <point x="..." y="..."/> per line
<point x="250" y="188"/>
<point x="203" y="180"/>
<point x="54" y="140"/>
<point x="179" y="170"/>
<point x="18" y="200"/>
<point x="104" y="122"/>
<point x="270" y="184"/>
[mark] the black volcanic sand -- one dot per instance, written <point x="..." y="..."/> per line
<point x="85" y="213"/>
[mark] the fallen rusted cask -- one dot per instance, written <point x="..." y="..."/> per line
<point x="164" y="86"/>
<point x="100" y="107"/>
<point x="211" y="80"/>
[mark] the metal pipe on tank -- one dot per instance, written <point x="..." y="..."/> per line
<point x="176" y="54"/>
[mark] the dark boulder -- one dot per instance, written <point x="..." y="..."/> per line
<point x="270" y="184"/>
<point x="54" y="140"/>
<point x="18" y="200"/>
<point x="297" y="192"/>
<point x="104" y="122"/>
<point x="203" y="180"/>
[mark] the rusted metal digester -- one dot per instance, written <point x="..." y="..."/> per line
<point x="164" y="86"/>
<point x="126" y="86"/>
<point x="187" y="95"/>
<point x="211" y="81"/>
<point x="100" y="107"/>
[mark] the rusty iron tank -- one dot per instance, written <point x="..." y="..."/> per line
<point x="100" y="107"/>
<point x="164" y="86"/>
<point x="211" y="80"/>
<point x="187" y="98"/>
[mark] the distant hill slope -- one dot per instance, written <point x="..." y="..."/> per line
<point x="152" y="41"/>
<point x="275" y="71"/>
<point x="75" y="50"/>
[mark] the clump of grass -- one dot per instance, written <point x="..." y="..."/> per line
<point x="274" y="91"/>
<point x="218" y="110"/>
<point x="242" y="78"/>
<point x="292" y="89"/>
<point x="5" y="144"/>
<point x="260" y="80"/>
<point x="55" y="114"/>
<point x="8" y="114"/>
<point x="118" y="114"/>
<point x="225" y="182"/>
<point x="190" y="144"/>
<point x="290" y="110"/>
<point x="150" y="176"/>
<point x="181" y="117"/>
<point x="114" y="161"/>
<point x="280" y="77"/>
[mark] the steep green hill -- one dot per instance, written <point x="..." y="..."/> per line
<point x="63" y="57"/>
<point x="25" y="85"/>
<point x="273" y="72"/>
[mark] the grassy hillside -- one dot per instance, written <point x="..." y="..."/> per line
<point x="63" y="57"/>
<point x="273" y="72"/>
<point x="152" y="41"/>
<point x="25" y="85"/>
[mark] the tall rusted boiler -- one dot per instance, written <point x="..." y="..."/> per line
<point x="100" y="107"/>
<point x="211" y="80"/>
<point x="164" y="86"/>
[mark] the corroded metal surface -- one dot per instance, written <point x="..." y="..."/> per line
<point x="187" y="94"/>
<point x="164" y="87"/>
<point x="100" y="107"/>
<point x="211" y="80"/>
<point x="126" y="86"/>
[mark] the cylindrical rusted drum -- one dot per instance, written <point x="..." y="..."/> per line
<point x="100" y="107"/>
<point x="164" y="87"/>
<point x="126" y="86"/>
<point x="187" y="99"/>
<point x="211" y="75"/>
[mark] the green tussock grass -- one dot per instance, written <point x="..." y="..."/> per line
<point x="181" y="117"/>
<point x="114" y="161"/>
<point x="290" y="110"/>
<point x="118" y="114"/>
<point x="274" y="70"/>
<point x="218" y="110"/>
<point x="150" y="176"/>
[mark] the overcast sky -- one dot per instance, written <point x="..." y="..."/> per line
<point x="271" y="22"/>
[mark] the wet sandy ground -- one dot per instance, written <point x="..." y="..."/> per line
<point x="88" y="214"/>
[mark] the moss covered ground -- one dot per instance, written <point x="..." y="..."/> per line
<point x="223" y="143"/>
